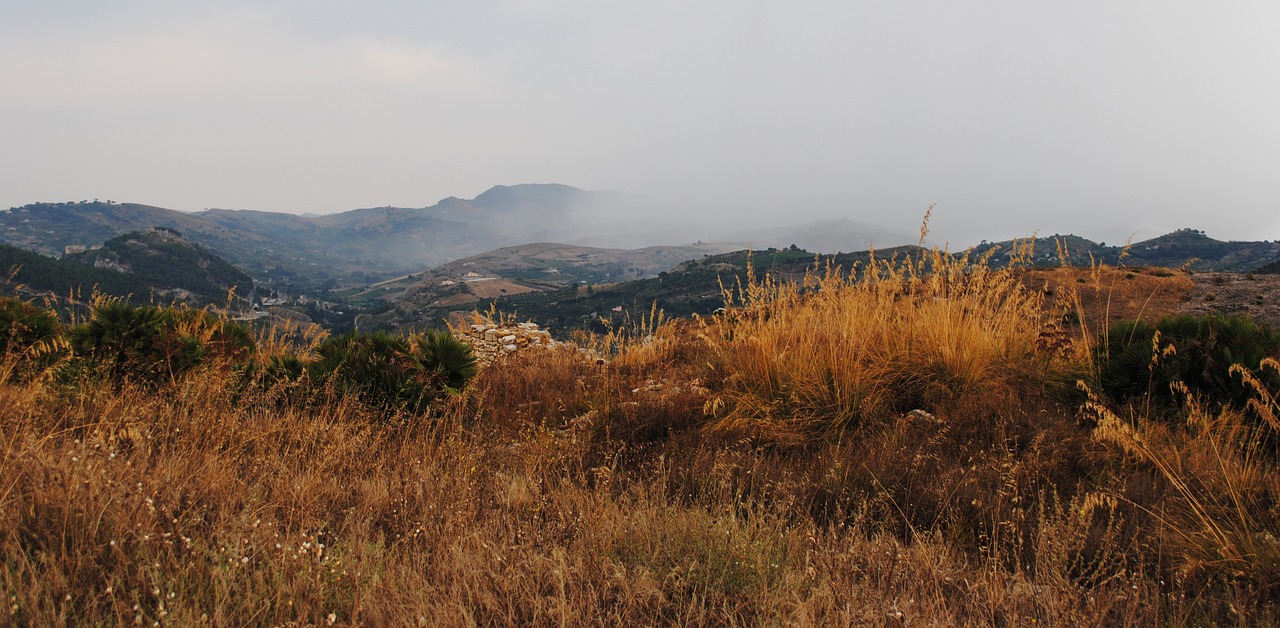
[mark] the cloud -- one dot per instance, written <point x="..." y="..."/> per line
<point x="237" y="55"/>
<point x="1011" y="116"/>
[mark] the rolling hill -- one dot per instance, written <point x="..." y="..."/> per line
<point x="157" y="265"/>
<point x="539" y="267"/>
<point x="1188" y="248"/>
<point x="694" y="287"/>
<point x="166" y="261"/>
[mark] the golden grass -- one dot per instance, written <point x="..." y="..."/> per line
<point x="840" y="349"/>
<point x="751" y="469"/>
<point x="1222" y="513"/>
<point x="178" y="508"/>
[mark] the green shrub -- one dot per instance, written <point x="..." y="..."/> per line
<point x="29" y="339"/>
<point x="393" y="372"/>
<point x="379" y="369"/>
<point x="284" y="368"/>
<point x="1195" y="350"/>
<point x="153" y="343"/>
<point x="450" y="359"/>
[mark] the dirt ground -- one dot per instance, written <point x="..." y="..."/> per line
<point x="1232" y="293"/>
<point x="496" y="288"/>
<point x="1111" y="295"/>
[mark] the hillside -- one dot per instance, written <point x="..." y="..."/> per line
<point x="302" y="253"/>
<point x="144" y="266"/>
<point x="308" y="253"/>
<point x="1269" y="269"/>
<point x="28" y="272"/>
<point x="166" y="261"/>
<point x="899" y="453"/>
<point x="1182" y="248"/>
<point x="690" y="287"/>
<point x="694" y="287"/>
<point x="540" y="267"/>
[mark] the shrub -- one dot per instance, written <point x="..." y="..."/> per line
<point x="30" y="340"/>
<point x="120" y="336"/>
<point x="1139" y="360"/>
<point x="153" y="343"/>
<point x="379" y="369"/>
<point x="450" y="359"/>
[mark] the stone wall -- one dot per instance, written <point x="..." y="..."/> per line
<point x="492" y="342"/>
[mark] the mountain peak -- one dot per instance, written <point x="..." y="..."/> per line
<point x="527" y="193"/>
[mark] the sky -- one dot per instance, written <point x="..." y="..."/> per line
<point x="1099" y="118"/>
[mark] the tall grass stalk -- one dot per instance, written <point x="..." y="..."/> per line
<point x="839" y="349"/>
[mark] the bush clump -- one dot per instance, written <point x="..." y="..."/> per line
<point x="1139" y="360"/>
<point x="29" y="340"/>
<point x="149" y="343"/>
<point x="122" y="342"/>
<point x="393" y="372"/>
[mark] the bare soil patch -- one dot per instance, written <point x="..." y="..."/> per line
<point x="1234" y="293"/>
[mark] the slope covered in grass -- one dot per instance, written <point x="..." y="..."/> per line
<point x="910" y="447"/>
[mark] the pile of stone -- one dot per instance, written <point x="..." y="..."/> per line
<point x="492" y="341"/>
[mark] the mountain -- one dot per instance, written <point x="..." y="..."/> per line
<point x="166" y="261"/>
<point x="28" y="272"/>
<point x="51" y="227"/>
<point x="307" y="253"/>
<point x="303" y="252"/>
<point x="339" y="255"/>
<point x="144" y="266"/>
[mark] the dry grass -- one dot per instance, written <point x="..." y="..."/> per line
<point x="839" y="350"/>
<point x="755" y="469"/>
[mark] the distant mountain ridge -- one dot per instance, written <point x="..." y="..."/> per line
<point x="1188" y="248"/>
<point x="694" y="286"/>
<point x="312" y="250"/>
<point x="313" y="255"/>
<point x="306" y="253"/>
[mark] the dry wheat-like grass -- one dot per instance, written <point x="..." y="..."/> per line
<point x="1220" y="519"/>
<point x="838" y="349"/>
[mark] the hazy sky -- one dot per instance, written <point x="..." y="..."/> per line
<point x="1094" y="117"/>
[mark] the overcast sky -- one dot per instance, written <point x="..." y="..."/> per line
<point x="1098" y="118"/>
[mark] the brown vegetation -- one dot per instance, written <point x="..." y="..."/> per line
<point x="906" y="448"/>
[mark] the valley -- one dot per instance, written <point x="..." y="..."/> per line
<point x="414" y="268"/>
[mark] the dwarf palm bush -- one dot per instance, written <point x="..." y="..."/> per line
<point x="451" y="360"/>
<point x="377" y="368"/>
<point x="30" y="339"/>
<point x="153" y="343"/>
<point x="1140" y="360"/>
<point x="393" y="372"/>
